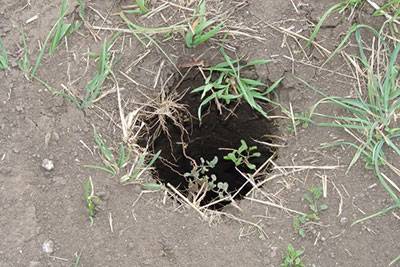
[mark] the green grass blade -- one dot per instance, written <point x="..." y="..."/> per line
<point x="321" y="21"/>
<point x="3" y="57"/>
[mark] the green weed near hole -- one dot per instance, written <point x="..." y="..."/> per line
<point x="200" y="174"/>
<point x="116" y="163"/>
<point x="243" y="154"/>
<point x="292" y="257"/>
<point x="230" y="85"/>
<point x="3" y="57"/>
<point x="139" y="167"/>
<point x="371" y="118"/>
<point x="111" y="164"/>
<point x="200" y="30"/>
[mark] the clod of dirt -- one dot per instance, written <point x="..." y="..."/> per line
<point x="47" y="164"/>
<point x="48" y="246"/>
<point x="215" y="136"/>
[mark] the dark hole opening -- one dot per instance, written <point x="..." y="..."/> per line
<point x="209" y="139"/>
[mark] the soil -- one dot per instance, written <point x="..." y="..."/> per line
<point x="136" y="228"/>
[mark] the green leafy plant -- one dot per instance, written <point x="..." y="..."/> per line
<point x="200" y="175"/>
<point x="200" y="29"/>
<point x="312" y="198"/>
<point x="243" y="154"/>
<point x="230" y="85"/>
<point x="90" y="198"/>
<point x="340" y="7"/>
<point x="3" y="57"/>
<point x="292" y="258"/>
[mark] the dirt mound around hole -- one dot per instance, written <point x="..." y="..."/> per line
<point x="215" y="136"/>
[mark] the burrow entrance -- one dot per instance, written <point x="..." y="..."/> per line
<point x="215" y="136"/>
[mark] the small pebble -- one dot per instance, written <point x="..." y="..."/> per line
<point x="47" y="164"/>
<point x="34" y="264"/>
<point x="48" y="246"/>
<point x="343" y="220"/>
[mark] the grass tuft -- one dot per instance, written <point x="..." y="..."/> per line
<point x="200" y="30"/>
<point x="371" y="117"/>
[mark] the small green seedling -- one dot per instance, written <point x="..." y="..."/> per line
<point x="292" y="257"/>
<point x="200" y="171"/>
<point x="340" y="7"/>
<point x="243" y="154"/>
<point x="62" y="29"/>
<point x="230" y="85"/>
<point x="3" y="57"/>
<point x="200" y="30"/>
<point x="141" y="8"/>
<point x="312" y="198"/>
<point x="200" y="174"/>
<point x="91" y="199"/>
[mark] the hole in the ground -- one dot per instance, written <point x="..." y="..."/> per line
<point x="211" y="138"/>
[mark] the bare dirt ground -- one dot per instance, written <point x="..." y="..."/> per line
<point x="38" y="205"/>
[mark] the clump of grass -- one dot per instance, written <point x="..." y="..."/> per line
<point x="90" y="198"/>
<point x="111" y="164"/>
<point x="292" y="258"/>
<point x="3" y="57"/>
<point x="200" y="29"/>
<point x="104" y="64"/>
<point x="243" y="154"/>
<point x="340" y="7"/>
<point x="57" y="32"/>
<point x="62" y="29"/>
<point x="142" y="164"/>
<point x="116" y="163"/>
<point x="312" y="198"/>
<point x="371" y="117"/>
<point x="230" y="86"/>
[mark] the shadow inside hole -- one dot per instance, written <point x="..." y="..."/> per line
<point x="212" y="137"/>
